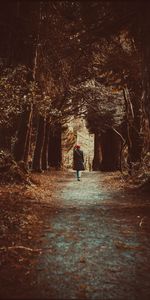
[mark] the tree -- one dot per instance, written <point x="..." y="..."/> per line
<point x="82" y="56"/>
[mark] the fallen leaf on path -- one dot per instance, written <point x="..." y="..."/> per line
<point x="82" y="286"/>
<point x="82" y="260"/>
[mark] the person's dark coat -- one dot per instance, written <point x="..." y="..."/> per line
<point x="78" y="160"/>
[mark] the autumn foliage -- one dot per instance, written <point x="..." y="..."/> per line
<point x="62" y="59"/>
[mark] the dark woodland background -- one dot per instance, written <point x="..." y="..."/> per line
<point x="63" y="59"/>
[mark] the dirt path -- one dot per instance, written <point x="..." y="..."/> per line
<point x="93" y="244"/>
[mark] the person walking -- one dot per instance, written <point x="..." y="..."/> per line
<point x="78" y="161"/>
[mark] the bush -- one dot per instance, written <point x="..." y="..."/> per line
<point x="11" y="171"/>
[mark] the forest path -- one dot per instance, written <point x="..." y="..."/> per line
<point x="95" y="243"/>
<point x="97" y="248"/>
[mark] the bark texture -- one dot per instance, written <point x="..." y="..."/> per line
<point x="45" y="147"/>
<point x="54" y="149"/>
<point x="97" y="153"/>
<point x="111" y="147"/>
<point x="37" y="159"/>
<point x="21" y="148"/>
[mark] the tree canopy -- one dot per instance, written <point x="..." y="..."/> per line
<point x="71" y="58"/>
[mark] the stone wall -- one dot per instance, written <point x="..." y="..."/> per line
<point x="77" y="133"/>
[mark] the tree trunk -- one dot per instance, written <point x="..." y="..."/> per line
<point x="37" y="159"/>
<point x="142" y="42"/>
<point x="28" y="145"/>
<point x="22" y="143"/>
<point x="54" y="149"/>
<point x="45" y="147"/>
<point x="111" y="147"/>
<point x="97" y="153"/>
<point x="144" y="38"/>
<point x="5" y="139"/>
<point x="134" y="126"/>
